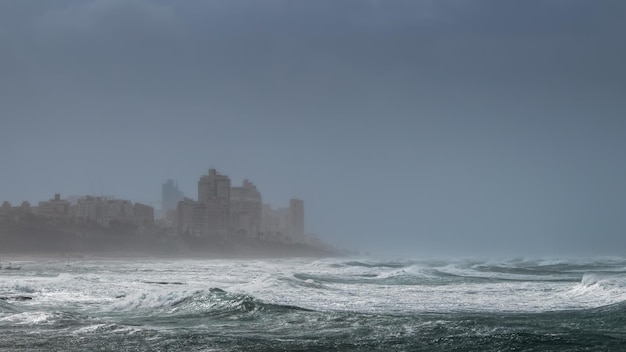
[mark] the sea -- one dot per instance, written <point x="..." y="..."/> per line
<point x="307" y="304"/>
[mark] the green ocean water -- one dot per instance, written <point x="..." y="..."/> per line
<point x="315" y="305"/>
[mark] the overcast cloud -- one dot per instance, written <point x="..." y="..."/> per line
<point x="414" y="127"/>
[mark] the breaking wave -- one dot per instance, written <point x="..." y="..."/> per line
<point x="212" y="302"/>
<point x="328" y="304"/>
<point x="377" y="265"/>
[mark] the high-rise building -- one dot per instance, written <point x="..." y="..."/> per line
<point x="245" y="210"/>
<point x="213" y="186"/>
<point x="192" y="218"/>
<point x="170" y="195"/>
<point x="214" y="192"/>
<point x="296" y="219"/>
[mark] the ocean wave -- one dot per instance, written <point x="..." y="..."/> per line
<point x="396" y="278"/>
<point x="414" y="274"/>
<point x="308" y="283"/>
<point x="330" y="278"/>
<point x="463" y="271"/>
<point x="611" y="310"/>
<point x="218" y="302"/>
<point x="502" y="272"/>
<point x="599" y="289"/>
<point x="55" y="318"/>
<point x="103" y="329"/>
<point x="212" y="302"/>
<point x="603" y="280"/>
<point x="6" y="307"/>
<point x="22" y="288"/>
<point x="377" y="265"/>
<point x="148" y="300"/>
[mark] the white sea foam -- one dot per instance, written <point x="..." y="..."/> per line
<point x="124" y="286"/>
<point x="26" y="318"/>
<point x="150" y="300"/>
<point x="89" y="329"/>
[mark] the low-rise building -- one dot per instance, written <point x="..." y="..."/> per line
<point x="119" y="210"/>
<point x="103" y="210"/>
<point x="54" y="208"/>
<point x="5" y="210"/>
<point x="90" y="208"/>
<point x="143" y="215"/>
<point x="296" y="220"/>
<point x="284" y="224"/>
<point x="274" y="223"/>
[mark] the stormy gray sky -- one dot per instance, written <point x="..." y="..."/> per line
<point x="414" y="127"/>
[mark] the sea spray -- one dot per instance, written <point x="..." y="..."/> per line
<point x="304" y="304"/>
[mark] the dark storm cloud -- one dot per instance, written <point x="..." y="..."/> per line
<point x="492" y="122"/>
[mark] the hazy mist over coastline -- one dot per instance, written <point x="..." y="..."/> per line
<point x="408" y="127"/>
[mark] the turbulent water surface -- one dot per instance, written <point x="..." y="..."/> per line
<point x="314" y="305"/>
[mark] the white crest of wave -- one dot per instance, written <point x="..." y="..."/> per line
<point x="259" y="283"/>
<point x="27" y="318"/>
<point x="598" y="289"/>
<point x="150" y="300"/>
<point x="606" y="281"/>
<point x="414" y="270"/>
<point x="590" y="279"/>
